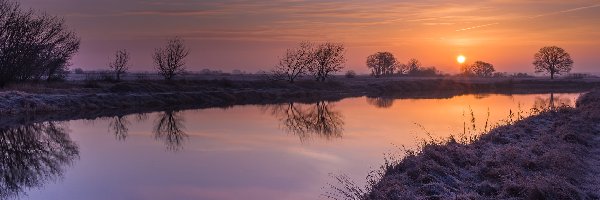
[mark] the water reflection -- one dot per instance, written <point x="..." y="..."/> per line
<point x="381" y="102"/>
<point x="169" y="128"/>
<point x="241" y="153"/>
<point x="305" y="121"/>
<point x="32" y="155"/>
<point x="550" y="103"/>
<point x="118" y="125"/>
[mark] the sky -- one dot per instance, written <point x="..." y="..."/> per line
<point x="251" y="35"/>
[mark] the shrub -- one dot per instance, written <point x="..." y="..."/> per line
<point x="350" y="74"/>
<point x="79" y="71"/>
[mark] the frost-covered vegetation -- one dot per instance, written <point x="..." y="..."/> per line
<point x="550" y="155"/>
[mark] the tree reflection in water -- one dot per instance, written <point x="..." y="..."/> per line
<point x="380" y="102"/>
<point x="550" y="103"/>
<point x="32" y="155"/>
<point x="118" y="125"/>
<point x="318" y="119"/>
<point x="169" y="128"/>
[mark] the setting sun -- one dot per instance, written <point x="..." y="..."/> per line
<point x="461" y="59"/>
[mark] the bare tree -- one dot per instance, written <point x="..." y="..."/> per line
<point x="553" y="60"/>
<point x="482" y="69"/>
<point x="412" y="67"/>
<point x="119" y="65"/>
<point x="33" y="46"/>
<point x="170" y="60"/>
<point x="382" y="63"/>
<point x="295" y="62"/>
<point x="328" y="58"/>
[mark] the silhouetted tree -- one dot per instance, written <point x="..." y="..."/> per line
<point x="426" y="72"/>
<point x="169" y="128"/>
<point x="466" y="70"/>
<point x="170" y="60"/>
<point x="553" y="60"/>
<point x="317" y="119"/>
<point x="412" y="67"/>
<point x="295" y="62"/>
<point x="328" y="58"/>
<point x="350" y="74"/>
<point x="119" y="65"/>
<point x="382" y="63"/>
<point x="32" y="155"/>
<point x="33" y="46"/>
<point x="482" y="69"/>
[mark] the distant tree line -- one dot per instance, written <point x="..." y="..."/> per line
<point x="318" y="60"/>
<point x="552" y="60"/>
<point x="385" y="64"/>
<point x="478" y="69"/>
<point x="33" y="46"/>
<point x="36" y="46"/>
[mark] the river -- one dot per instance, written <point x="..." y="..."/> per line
<point x="286" y="151"/>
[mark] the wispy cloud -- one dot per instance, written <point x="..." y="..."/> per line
<point x="565" y="11"/>
<point x="533" y="17"/>
<point x="368" y="25"/>
<point x="474" y="27"/>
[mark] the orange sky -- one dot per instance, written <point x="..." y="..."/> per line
<point x="250" y="35"/>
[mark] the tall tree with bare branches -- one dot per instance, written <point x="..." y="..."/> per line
<point x="328" y="58"/>
<point x="119" y="65"/>
<point x="170" y="60"/>
<point x="552" y="60"/>
<point x="295" y="63"/>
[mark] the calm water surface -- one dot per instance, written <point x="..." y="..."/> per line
<point x="246" y="152"/>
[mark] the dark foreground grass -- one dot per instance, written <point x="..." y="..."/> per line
<point x="552" y="155"/>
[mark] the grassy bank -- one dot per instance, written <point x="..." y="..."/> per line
<point x="552" y="155"/>
<point x="141" y="96"/>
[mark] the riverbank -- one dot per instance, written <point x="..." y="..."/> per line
<point x="145" y="96"/>
<point x="553" y="155"/>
